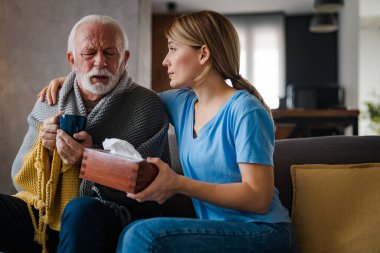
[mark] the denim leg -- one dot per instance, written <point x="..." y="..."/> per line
<point x="172" y="235"/>
<point x="88" y="226"/>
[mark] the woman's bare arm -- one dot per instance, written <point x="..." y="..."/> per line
<point x="253" y="194"/>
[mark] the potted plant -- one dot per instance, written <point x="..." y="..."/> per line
<point x="373" y="110"/>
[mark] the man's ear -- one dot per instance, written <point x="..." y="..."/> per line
<point x="204" y="55"/>
<point x="126" y="57"/>
<point x="70" y="59"/>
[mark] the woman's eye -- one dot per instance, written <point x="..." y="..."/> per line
<point x="172" y="49"/>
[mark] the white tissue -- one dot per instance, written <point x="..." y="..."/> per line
<point x="122" y="148"/>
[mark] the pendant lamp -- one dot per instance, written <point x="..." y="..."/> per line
<point x="323" y="23"/>
<point x="328" y="6"/>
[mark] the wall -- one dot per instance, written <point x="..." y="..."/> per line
<point x="311" y="58"/>
<point x="33" y="45"/>
<point x="369" y="72"/>
<point x="144" y="47"/>
<point x="369" y="59"/>
<point x="348" y="41"/>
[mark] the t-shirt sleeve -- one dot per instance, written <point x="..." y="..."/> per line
<point x="254" y="138"/>
<point x="173" y="101"/>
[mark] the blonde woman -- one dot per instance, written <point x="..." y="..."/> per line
<point x="226" y="141"/>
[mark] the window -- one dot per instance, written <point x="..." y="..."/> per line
<point x="262" y="53"/>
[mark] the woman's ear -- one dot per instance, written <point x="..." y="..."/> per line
<point x="204" y="55"/>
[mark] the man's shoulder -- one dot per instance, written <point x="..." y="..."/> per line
<point x="144" y="91"/>
<point x="142" y="104"/>
<point x="43" y="110"/>
<point x="140" y="94"/>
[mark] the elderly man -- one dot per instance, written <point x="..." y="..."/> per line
<point x="46" y="168"/>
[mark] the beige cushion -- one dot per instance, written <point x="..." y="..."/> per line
<point x="336" y="208"/>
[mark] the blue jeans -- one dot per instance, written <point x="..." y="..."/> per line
<point x="172" y="235"/>
<point x="88" y="226"/>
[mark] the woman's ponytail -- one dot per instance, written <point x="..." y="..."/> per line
<point x="240" y="83"/>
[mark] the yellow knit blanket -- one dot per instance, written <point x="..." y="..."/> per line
<point x="48" y="186"/>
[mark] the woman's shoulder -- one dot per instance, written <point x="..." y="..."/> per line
<point x="176" y="96"/>
<point x="177" y="92"/>
<point x="244" y="101"/>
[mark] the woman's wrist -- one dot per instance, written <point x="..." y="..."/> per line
<point x="182" y="185"/>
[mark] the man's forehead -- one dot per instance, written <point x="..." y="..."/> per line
<point x="97" y="33"/>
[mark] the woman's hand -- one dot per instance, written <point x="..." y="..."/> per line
<point x="253" y="194"/>
<point x="51" y="90"/>
<point x="163" y="187"/>
<point x="71" y="150"/>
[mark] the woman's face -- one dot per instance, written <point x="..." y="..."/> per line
<point x="183" y="63"/>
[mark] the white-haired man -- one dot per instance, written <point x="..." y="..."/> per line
<point x="46" y="168"/>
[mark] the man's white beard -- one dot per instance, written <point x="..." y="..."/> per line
<point x="98" y="88"/>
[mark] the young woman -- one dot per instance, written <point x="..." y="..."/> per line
<point x="226" y="141"/>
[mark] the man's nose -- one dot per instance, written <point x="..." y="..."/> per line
<point x="100" y="60"/>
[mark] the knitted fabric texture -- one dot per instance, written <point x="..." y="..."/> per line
<point x="130" y="112"/>
<point x="49" y="186"/>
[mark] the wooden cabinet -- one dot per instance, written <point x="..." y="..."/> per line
<point x="300" y="123"/>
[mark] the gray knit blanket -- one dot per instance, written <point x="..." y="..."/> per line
<point x="130" y="112"/>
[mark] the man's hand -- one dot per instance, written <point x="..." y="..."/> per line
<point x="71" y="150"/>
<point x="49" y="132"/>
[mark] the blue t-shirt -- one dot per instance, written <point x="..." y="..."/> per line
<point x="241" y="132"/>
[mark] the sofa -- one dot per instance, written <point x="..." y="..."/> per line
<point x="319" y="186"/>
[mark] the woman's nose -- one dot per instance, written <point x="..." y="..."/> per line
<point x="165" y="62"/>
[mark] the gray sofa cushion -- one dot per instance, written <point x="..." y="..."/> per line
<point x="317" y="150"/>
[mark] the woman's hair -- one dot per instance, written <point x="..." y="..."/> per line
<point x="122" y="40"/>
<point x="216" y="31"/>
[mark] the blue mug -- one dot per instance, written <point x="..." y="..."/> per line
<point x="72" y="124"/>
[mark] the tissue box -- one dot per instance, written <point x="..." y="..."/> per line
<point x="115" y="171"/>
